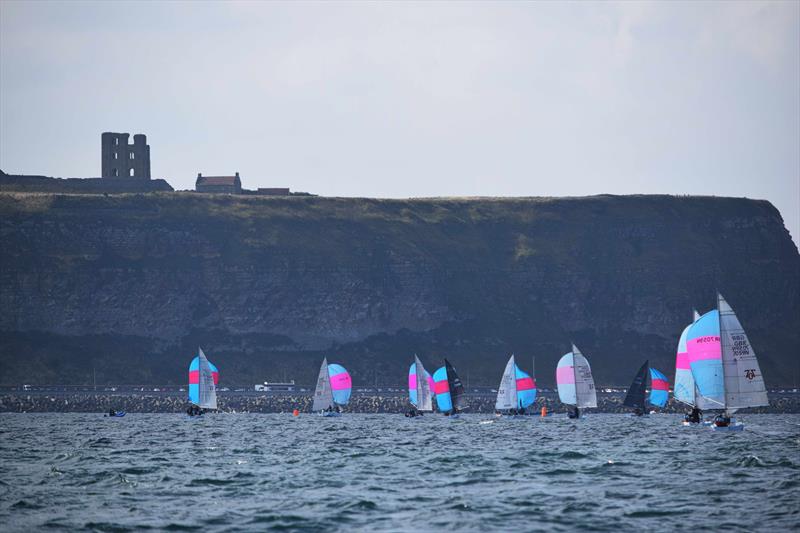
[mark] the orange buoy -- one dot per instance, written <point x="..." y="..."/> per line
<point x="296" y="412"/>
<point x="544" y="411"/>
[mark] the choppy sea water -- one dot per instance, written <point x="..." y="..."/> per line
<point x="386" y="472"/>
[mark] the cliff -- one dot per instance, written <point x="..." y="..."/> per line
<point x="129" y="285"/>
<point x="26" y="183"/>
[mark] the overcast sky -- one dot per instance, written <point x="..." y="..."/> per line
<point x="414" y="99"/>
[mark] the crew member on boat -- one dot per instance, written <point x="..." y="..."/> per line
<point x="722" y="421"/>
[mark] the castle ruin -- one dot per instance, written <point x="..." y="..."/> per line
<point x="123" y="160"/>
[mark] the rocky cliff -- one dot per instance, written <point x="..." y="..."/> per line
<point x="129" y="285"/>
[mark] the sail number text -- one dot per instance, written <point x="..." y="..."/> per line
<point x="740" y="346"/>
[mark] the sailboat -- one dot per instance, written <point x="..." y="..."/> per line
<point x="636" y="392"/>
<point x="517" y="390"/>
<point x="575" y="382"/>
<point x="203" y="379"/>
<point x="724" y="365"/>
<point x="659" y="388"/>
<point x="420" y="389"/>
<point x="334" y="386"/>
<point x="685" y="390"/>
<point x="449" y="390"/>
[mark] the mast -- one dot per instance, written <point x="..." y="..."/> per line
<point x="722" y="354"/>
<point x="575" y="375"/>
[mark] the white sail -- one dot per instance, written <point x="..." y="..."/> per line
<point x="424" y="397"/>
<point x="507" y="391"/>
<point x="585" y="393"/>
<point x="207" y="391"/>
<point x="323" y="395"/>
<point x="695" y="315"/>
<point x="744" y="383"/>
<point x="703" y="403"/>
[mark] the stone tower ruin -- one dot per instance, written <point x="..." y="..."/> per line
<point x="123" y="160"/>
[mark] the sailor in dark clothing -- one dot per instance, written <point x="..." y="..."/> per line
<point x="576" y="413"/>
<point x="693" y="417"/>
<point x="112" y="412"/>
<point x="722" y="421"/>
<point x="638" y="412"/>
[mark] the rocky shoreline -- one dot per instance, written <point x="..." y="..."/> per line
<point x="144" y="403"/>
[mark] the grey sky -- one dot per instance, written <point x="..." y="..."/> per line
<point x="406" y="99"/>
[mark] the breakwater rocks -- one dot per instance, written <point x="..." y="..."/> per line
<point x="135" y="403"/>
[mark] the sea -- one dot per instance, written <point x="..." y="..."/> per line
<point x="381" y="472"/>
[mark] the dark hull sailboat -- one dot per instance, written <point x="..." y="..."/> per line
<point x="635" y="397"/>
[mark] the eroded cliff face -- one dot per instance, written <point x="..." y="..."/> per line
<point x="130" y="284"/>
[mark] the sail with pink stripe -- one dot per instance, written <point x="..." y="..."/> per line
<point x="207" y="390"/>
<point x="659" y="388"/>
<point x="194" y="377"/>
<point x="705" y="360"/>
<point x="341" y="383"/>
<point x="517" y="389"/>
<point x="420" y="386"/>
<point x="684" y="381"/>
<point x="448" y="388"/>
<point x="575" y="381"/>
<point x="334" y="386"/>
<point x="526" y="388"/>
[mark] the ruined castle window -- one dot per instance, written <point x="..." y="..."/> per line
<point x="116" y="172"/>
<point x="130" y="155"/>
<point x="131" y="173"/>
<point x="116" y="155"/>
<point x="116" y="141"/>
